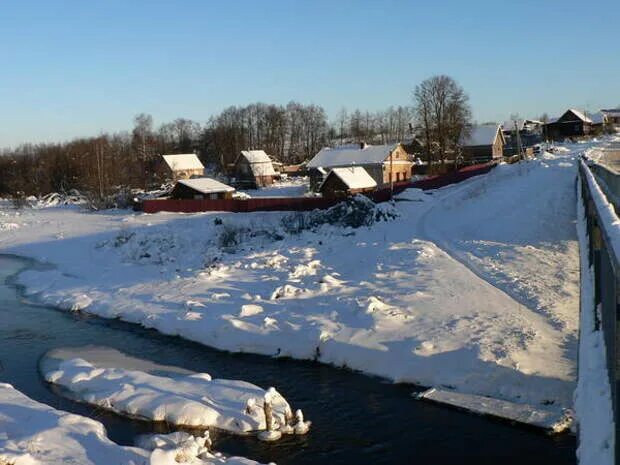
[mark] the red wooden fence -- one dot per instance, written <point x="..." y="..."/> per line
<point x="305" y="203"/>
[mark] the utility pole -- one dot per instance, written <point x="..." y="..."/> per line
<point x="519" y="147"/>
<point x="391" y="174"/>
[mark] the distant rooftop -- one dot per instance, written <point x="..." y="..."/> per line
<point x="183" y="161"/>
<point x="370" y="154"/>
<point x="206" y="185"/>
<point x="480" y="135"/>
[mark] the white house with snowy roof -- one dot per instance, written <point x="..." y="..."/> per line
<point x="483" y="143"/>
<point x="183" y="166"/>
<point x="384" y="163"/>
<point x="254" y="168"/>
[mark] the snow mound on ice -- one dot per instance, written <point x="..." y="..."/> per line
<point x="194" y="400"/>
<point x="182" y="447"/>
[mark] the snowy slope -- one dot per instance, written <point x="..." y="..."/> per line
<point x="473" y="287"/>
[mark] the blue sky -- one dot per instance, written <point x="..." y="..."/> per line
<point x="76" y="68"/>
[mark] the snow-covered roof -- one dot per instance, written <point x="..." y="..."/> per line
<point x="206" y="185"/>
<point x="481" y="135"/>
<point x="522" y="124"/>
<point x="354" y="177"/>
<point x="509" y="125"/>
<point x="597" y="118"/>
<point x="256" y="156"/>
<point x="259" y="162"/>
<point x="183" y="161"/>
<point x="339" y="156"/>
<point x="613" y="112"/>
<point x="580" y="115"/>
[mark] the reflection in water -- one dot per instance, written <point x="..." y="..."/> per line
<point x="356" y="419"/>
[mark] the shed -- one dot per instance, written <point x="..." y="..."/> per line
<point x="184" y="166"/>
<point x="254" y="168"/>
<point x="201" y="188"/>
<point x="342" y="182"/>
<point x="483" y="144"/>
<point x="384" y="163"/>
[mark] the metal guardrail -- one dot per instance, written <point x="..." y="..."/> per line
<point x="605" y="261"/>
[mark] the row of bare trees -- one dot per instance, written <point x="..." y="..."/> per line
<point x="381" y="127"/>
<point x="290" y="133"/>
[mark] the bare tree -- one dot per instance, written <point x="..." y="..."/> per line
<point x="443" y="114"/>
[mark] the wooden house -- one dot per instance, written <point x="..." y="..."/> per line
<point x="253" y="168"/>
<point x="384" y="163"/>
<point x="201" y="188"/>
<point x="573" y="123"/>
<point x="483" y="144"/>
<point x="183" y="166"/>
<point x="343" y="182"/>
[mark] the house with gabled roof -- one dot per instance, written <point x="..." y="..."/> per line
<point x="254" y="168"/>
<point x="483" y="144"/>
<point x="201" y="188"/>
<point x="573" y="123"/>
<point x="183" y="166"/>
<point x="343" y="182"/>
<point x="384" y="163"/>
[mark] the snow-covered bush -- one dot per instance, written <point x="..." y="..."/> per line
<point x="122" y="198"/>
<point x="232" y="235"/>
<point x="355" y="212"/>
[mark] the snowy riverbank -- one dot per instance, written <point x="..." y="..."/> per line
<point x="36" y="434"/>
<point x="474" y="287"/>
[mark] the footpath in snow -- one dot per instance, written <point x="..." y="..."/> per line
<point x="473" y="288"/>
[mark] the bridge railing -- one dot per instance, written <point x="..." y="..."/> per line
<point x="604" y="259"/>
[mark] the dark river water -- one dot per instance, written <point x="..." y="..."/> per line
<point x="357" y="419"/>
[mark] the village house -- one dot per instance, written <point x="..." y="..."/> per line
<point x="343" y="182"/>
<point x="523" y="132"/>
<point x="573" y="123"/>
<point x="183" y="166"/>
<point x="612" y="117"/>
<point x="483" y="144"/>
<point x="201" y="188"/>
<point x="384" y="163"/>
<point x="254" y="168"/>
<point x="530" y="131"/>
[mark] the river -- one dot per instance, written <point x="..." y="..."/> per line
<point x="357" y="419"/>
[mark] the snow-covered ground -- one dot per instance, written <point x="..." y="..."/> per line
<point x="32" y="433"/>
<point x="474" y="287"/>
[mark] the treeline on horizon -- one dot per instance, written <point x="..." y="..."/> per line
<point x="106" y="163"/>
